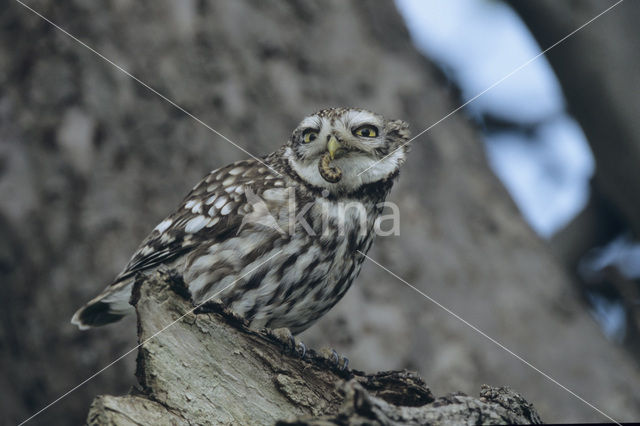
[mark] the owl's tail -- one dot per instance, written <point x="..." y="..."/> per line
<point x="109" y="306"/>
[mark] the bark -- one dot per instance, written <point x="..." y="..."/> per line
<point x="207" y="367"/>
<point x="598" y="72"/>
<point x="91" y="162"/>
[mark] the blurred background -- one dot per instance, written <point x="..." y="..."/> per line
<point x="520" y="212"/>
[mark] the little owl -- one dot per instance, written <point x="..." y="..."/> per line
<point x="271" y="238"/>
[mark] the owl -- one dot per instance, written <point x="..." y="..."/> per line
<point x="276" y="239"/>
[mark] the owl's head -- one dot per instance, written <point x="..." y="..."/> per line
<point x="341" y="149"/>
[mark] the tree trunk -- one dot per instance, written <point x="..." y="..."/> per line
<point x="207" y="368"/>
<point x="598" y="71"/>
<point x="90" y="161"/>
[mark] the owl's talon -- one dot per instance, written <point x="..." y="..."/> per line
<point x="294" y="347"/>
<point x="335" y="357"/>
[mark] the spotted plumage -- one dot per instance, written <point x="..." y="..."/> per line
<point x="272" y="238"/>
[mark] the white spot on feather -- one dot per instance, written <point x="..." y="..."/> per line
<point x="197" y="208"/>
<point x="211" y="199"/>
<point x="146" y="250"/>
<point x="236" y="171"/>
<point x="213" y="221"/>
<point x="228" y="181"/>
<point x="274" y="194"/>
<point x="164" y="225"/>
<point x="196" y="224"/>
<point x="226" y="209"/>
<point x="220" y="202"/>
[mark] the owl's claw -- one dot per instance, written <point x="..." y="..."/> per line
<point x="336" y="359"/>
<point x="294" y="347"/>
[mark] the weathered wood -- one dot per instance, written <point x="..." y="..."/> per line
<point x="208" y="367"/>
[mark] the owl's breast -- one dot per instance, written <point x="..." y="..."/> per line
<point x="325" y="265"/>
<point x="278" y="279"/>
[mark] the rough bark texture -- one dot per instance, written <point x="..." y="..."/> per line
<point x="207" y="367"/>
<point x="90" y="161"/>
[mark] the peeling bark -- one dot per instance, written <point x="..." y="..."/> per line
<point x="207" y="367"/>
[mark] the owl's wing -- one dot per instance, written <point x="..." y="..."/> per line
<point x="213" y="210"/>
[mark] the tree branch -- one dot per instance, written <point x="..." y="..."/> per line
<point x="210" y="368"/>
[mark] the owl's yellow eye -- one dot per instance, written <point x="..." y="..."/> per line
<point x="366" y="131"/>
<point x="309" y="135"/>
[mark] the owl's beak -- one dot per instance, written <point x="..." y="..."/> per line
<point x="334" y="147"/>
